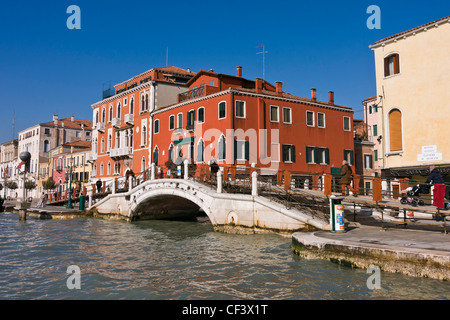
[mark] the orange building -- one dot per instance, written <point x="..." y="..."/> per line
<point x="122" y="121"/>
<point x="236" y="121"/>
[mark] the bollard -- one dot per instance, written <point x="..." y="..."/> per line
<point x="219" y="181"/>
<point x="81" y="205"/>
<point x="91" y="192"/>
<point x="336" y="214"/>
<point x="254" y="183"/>
<point x="186" y="168"/>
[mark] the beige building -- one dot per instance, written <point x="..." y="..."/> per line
<point x="413" y="105"/>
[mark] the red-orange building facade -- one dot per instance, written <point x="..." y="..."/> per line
<point x="213" y="116"/>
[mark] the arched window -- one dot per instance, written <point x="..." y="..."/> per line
<point x="222" y="148"/>
<point x="132" y="105"/>
<point x="143" y="103"/>
<point x="102" y="146"/>
<point x="101" y="169"/>
<point x="104" y="115"/>
<point x="391" y="65"/>
<point x="171" y="157"/>
<point x="118" y="110"/>
<point x="156" y="156"/>
<point x="143" y="164"/>
<point x="395" y="130"/>
<point x="200" y="151"/>
<point x="109" y="142"/>
<point x="108" y="170"/>
<point x="146" y="101"/>
<point x="110" y="113"/>
<point x="144" y="136"/>
<point x="96" y="116"/>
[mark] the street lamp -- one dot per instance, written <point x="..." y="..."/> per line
<point x="69" y="202"/>
<point x="25" y="157"/>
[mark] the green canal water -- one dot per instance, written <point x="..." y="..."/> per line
<point x="176" y="260"/>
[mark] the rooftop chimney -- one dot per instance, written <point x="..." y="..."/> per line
<point x="72" y="118"/>
<point x="330" y="97"/>
<point x="258" y="84"/>
<point x="313" y="94"/>
<point x="55" y="119"/>
<point x="239" y="71"/>
<point x="279" y="88"/>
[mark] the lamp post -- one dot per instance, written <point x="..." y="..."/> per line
<point x="69" y="201"/>
<point x="25" y="157"/>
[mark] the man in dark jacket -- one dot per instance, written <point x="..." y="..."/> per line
<point x="346" y="179"/>
<point x="435" y="176"/>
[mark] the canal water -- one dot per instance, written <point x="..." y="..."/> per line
<point x="176" y="260"/>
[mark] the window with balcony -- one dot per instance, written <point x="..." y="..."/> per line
<point x="190" y="120"/>
<point x="179" y="121"/>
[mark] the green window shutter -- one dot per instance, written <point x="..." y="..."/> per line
<point x="351" y="157"/>
<point x="284" y="153"/>
<point x="293" y="153"/>
<point x="327" y="156"/>
<point x="308" y="155"/>
<point x="235" y="150"/>
<point x="316" y="155"/>
<point x="247" y="150"/>
<point x="188" y="119"/>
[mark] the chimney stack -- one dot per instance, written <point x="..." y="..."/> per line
<point x="330" y="97"/>
<point x="239" y="71"/>
<point x="55" y="119"/>
<point x="258" y="85"/>
<point x="72" y="119"/>
<point x="313" y="94"/>
<point x="279" y="88"/>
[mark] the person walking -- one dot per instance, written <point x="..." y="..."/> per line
<point x="346" y="179"/>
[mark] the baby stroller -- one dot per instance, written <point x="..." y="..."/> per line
<point x="412" y="193"/>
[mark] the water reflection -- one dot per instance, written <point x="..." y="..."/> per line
<point x="176" y="260"/>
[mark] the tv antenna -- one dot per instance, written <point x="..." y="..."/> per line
<point x="263" y="52"/>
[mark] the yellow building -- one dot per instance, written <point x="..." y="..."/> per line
<point x="413" y="96"/>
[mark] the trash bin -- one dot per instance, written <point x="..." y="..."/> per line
<point x="337" y="214"/>
<point x="82" y="200"/>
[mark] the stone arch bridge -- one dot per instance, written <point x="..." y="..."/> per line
<point x="230" y="212"/>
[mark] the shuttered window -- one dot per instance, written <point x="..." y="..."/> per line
<point x="391" y="65"/>
<point x="288" y="153"/>
<point x="395" y="130"/>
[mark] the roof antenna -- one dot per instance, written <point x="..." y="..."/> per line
<point x="263" y="53"/>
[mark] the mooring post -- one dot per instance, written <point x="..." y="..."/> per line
<point x="219" y="181"/>
<point x="91" y="193"/>
<point x="254" y="183"/>
<point x="186" y="168"/>
<point x="130" y="182"/>
<point x="152" y="174"/>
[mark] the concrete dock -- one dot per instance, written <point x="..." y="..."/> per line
<point x="417" y="253"/>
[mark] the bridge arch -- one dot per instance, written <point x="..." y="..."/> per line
<point x="138" y="202"/>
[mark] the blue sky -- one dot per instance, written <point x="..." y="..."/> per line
<point x="47" y="69"/>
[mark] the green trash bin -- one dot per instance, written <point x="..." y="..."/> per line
<point x="82" y="200"/>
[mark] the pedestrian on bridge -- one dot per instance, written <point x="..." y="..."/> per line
<point x="346" y="179"/>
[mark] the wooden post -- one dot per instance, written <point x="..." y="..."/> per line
<point x="356" y="179"/>
<point x="376" y="193"/>
<point x="327" y="187"/>
<point x="287" y="180"/>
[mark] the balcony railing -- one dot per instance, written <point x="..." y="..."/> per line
<point x="116" y="122"/>
<point x="198" y="92"/>
<point x="100" y="126"/>
<point x="121" y="152"/>
<point x="129" y="118"/>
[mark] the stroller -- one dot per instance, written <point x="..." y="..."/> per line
<point x="413" y="193"/>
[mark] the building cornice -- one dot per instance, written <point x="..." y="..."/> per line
<point x="120" y="95"/>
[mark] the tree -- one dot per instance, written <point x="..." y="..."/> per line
<point x="11" y="185"/>
<point x="49" y="184"/>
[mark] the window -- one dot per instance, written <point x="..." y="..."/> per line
<point x="110" y="113"/>
<point x="368" y="161"/>
<point x="118" y="110"/>
<point x="391" y="65"/>
<point x="321" y="155"/>
<point x="156" y="129"/>
<point x="171" y="122"/>
<point x="310" y="118"/>
<point x="171" y="158"/>
<point x="274" y="113"/>
<point x="222" y="148"/>
<point x="156" y="156"/>
<point x="375" y="155"/>
<point x="46" y="146"/>
<point x="190" y="119"/>
<point x="132" y="106"/>
<point x="101" y="169"/>
<point x="222" y="110"/>
<point x="240" y="109"/>
<point x="144" y="136"/>
<point x="287" y="112"/>
<point x="104" y="115"/>
<point x="346" y="124"/>
<point x="108" y="169"/>
<point x="201" y="115"/>
<point x="310" y="155"/>
<point x="348" y="155"/>
<point x="102" y="146"/>
<point x="395" y="130"/>
<point x="320" y="120"/>
<point x="241" y="150"/>
<point x="200" y="151"/>
<point x="143" y="164"/>
<point x="288" y="153"/>
<point x="180" y="121"/>
<point x="375" y="130"/>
